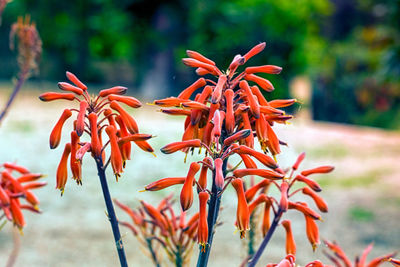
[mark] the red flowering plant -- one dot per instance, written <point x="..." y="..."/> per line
<point x="224" y="118"/>
<point x="16" y="185"/>
<point x="96" y="114"/>
<point x="160" y="227"/>
<point x="340" y="259"/>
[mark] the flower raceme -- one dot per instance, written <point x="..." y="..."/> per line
<point x="160" y="227"/>
<point x="221" y="116"/>
<point x="229" y="103"/>
<point x="257" y="195"/>
<point x="16" y="184"/>
<point x="339" y="257"/>
<point x="95" y="114"/>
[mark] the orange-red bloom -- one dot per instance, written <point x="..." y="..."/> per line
<point x="176" y="146"/>
<point x="290" y="243"/>
<point x="164" y="183"/>
<point x="187" y="189"/>
<point x="62" y="170"/>
<point x="202" y="232"/>
<point x="242" y="214"/>
<point x="55" y="135"/>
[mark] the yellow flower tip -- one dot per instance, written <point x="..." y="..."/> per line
<point x="203" y="247"/>
<point x="274" y="156"/>
<point x="62" y="191"/>
<point x="184" y="160"/>
<point x="21" y="231"/>
<point x="144" y="190"/>
<point x="154" y="154"/>
<point x="36" y="207"/>
<point x="314" y="247"/>
<point x="151" y="104"/>
<point x="117" y="175"/>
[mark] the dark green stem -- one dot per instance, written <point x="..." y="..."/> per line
<point x="111" y="213"/>
<point x="251" y="236"/>
<point x="21" y="80"/>
<point x="152" y="252"/>
<point x="178" y="257"/>
<point x="213" y="210"/>
<point x="253" y="261"/>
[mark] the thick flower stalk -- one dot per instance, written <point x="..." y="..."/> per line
<point x="223" y="115"/>
<point x="159" y="228"/>
<point x="16" y="185"/>
<point x="259" y="199"/>
<point x="101" y="127"/>
<point x="29" y="46"/>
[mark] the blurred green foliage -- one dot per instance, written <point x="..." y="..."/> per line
<point x="350" y="48"/>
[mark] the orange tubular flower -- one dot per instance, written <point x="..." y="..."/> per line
<point x="230" y="116"/>
<point x="252" y="191"/>
<point x="176" y="146"/>
<point x="217" y="93"/>
<point x="312" y="232"/>
<point x="321" y="169"/>
<point x="55" y="135"/>
<point x="254" y="51"/>
<point x="267" y="174"/>
<point x="62" y="170"/>
<point x="164" y="183"/>
<point x="199" y="57"/>
<point x="202" y="232"/>
<point x="321" y="204"/>
<point x="116" y="90"/>
<point x="187" y="189"/>
<point x="284" y="203"/>
<point x="311" y="183"/>
<point x="116" y="158"/>
<point x="51" y="96"/>
<point x="243" y="214"/>
<point x="95" y="141"/>
<point x="69" y="87"/>
<point x="290" y="243"/>
<point x="130" y="122"/>
<point x="185" y="94"/>
<point x="264" y="159"/>
<point x="262" y="198"/>
<point x="75" y="164"/>
<point x="236" y="137"/>
<point x="270" y="69"/>
<point x="263" y="83"/>
<point x="127" y="100"/>
<point x="202" y="181"/>
<point x="16" y="212"/>
<point x="219" y="175"/>
<point x="254" y="107"/>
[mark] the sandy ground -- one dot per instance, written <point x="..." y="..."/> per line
<point x="362" y="193"/>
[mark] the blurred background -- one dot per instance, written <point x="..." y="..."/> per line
<point x="340" y="58"/>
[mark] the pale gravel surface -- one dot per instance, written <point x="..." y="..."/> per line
<point x="73" y="230"/>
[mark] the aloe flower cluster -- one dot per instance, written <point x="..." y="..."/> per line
<point x="16" y="185"/>
<point x="339" y="258"/>
<point x="257" y="196"/>
<point x="160" y="227"/>
<point x="94" y="116"/>
<point x="223" y="117"/>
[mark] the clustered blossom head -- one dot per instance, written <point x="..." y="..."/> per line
<point x="257" y="196"/>
<point x="339" y="258"/>
<point x="29" y="44"/>
<point x="290" y="261"/>
<point x="223" y="117"/>
<point x="16" y="185"/>
<point x="232" y="103"/>
<point x="160" y="226"/>
<point x="95" y="114"/>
